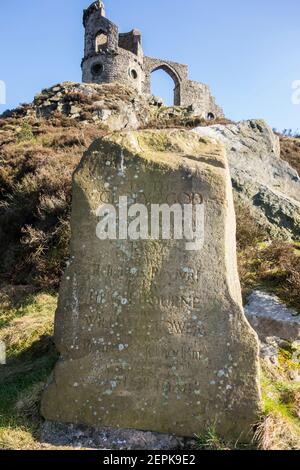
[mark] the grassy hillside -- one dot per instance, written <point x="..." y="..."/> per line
<point x="37" y="157"/>
<point x="270" y="265"/>
<point x="26" y="326"/>
<point x="37" y="160"/>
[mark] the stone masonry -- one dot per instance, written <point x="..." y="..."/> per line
<point x="113" y="57"/>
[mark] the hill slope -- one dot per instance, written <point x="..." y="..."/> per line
<point x="40" y="145"/>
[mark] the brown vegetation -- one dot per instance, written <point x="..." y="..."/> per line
<point x="271" y="264"/>
<point x="290" y="151"/>
<point x="38" y="158"/>
<point x="170" y="119"/>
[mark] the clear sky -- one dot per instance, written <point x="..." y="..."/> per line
<point x="247" y="51"/>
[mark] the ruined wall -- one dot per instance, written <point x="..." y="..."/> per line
<point x="95" y="23"/>
<point x="131" y="42"/>
<point x="199" y="96"/>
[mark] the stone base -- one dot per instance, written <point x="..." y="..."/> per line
<point x="83" y="437"/>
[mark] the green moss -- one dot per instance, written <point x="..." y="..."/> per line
<point x="156" y="141"/>
<point x="279" y="392"/>
<point x="289" y="357"/>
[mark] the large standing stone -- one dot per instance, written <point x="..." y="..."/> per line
<point x="153" y="336"/>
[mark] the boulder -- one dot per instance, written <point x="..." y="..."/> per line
<point x="150" y="328"/>
<point x="259" y="176"/>
<point x="270" y="317"/>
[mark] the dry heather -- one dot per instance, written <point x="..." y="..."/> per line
<point x="40" y="146"/>
<point x="273" y="265"/>
<point x="38" y="158"/>
<point x="167" y="118"/>
<point x="290" y="151"/>
<point x="277" y="433"/>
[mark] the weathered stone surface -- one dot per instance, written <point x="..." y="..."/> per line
<point x="270" y="317"/>
<point x="113" y="106"/>
<point x="152" y="336"/>
<point x="272" y="346"/>
<point x="83" y="437"/>
<point x="259" y="176"/>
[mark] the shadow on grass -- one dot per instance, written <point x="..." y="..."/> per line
<point x="21" y="383"/>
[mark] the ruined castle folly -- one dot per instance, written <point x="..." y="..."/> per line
<point x="113" y="57"/>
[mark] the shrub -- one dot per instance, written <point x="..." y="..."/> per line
<point x="274" y="267"/>
<point x="25" y="133"/>
<point x="35" y="196"/>
<point x="249" y="232"/>
<point x="290" y="151"/>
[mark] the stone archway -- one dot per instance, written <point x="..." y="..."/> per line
<point x="177" y="72"/>
<point x="176" y="79"/>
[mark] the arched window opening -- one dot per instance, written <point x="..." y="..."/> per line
<point x="165" y="86"/>
<point x="101" y="41"/>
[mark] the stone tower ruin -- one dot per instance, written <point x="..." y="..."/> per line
<point x="110" y="56"/>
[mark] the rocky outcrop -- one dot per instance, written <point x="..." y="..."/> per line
<point x="270" y="317"/>
<point x="112" y="106"/>
<point x="116" y="107"/>
<point x="260" y="177"/>
<point x="267" y="183"/>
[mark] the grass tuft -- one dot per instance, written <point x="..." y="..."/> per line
<point x="27" y="332"/>
<point x="211" y="441"/>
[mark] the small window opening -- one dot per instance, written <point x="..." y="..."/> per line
<point x="101" y="42"/>
<point x="133" y="74"/>
<point x="97" y="70"/>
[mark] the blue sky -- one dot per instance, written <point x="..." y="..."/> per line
<point x="247" y="51"/>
